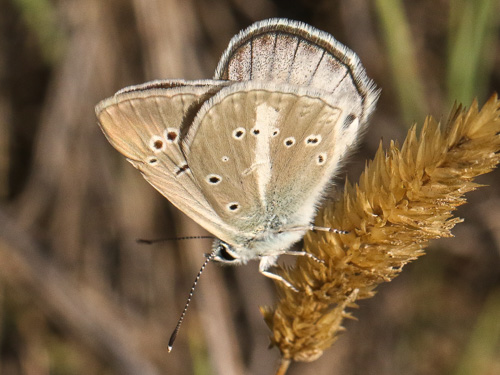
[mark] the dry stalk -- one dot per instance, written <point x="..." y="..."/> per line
<point x="405" y="197"/>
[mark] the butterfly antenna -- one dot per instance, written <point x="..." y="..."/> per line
<point x="150" y="242"/>
<point x="191" y="292"/>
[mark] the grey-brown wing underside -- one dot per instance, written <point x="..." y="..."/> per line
<point x="146" y="124"/>
<point x="291" y="52"/>
<point x="260" y="151"/>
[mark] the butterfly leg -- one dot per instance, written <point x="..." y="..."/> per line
<point x="315" y="228"/>
<point x="305" y="253"/>
<point x="268" y="261"/>
<point x="326" y="229"/>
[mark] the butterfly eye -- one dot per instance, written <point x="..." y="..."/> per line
<point x="224" y="253"/>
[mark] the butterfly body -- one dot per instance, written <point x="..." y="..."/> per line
<point x="249" y="154"/>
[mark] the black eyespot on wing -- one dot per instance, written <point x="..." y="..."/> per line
<point x="313" y="140"/>
<point x="213" y="179"/>
<point x="239" y="133"/>
<point x="158" y="144"/>
<point x="289" y="142"/>
<point x="321" y="158"/>
<point x="172" y="136"/>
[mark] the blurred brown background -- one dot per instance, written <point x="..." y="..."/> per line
<point x="79" y="296"/>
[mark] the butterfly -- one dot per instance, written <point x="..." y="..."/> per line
<point x="249" y="154"/>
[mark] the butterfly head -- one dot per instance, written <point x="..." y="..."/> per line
<point x="225" y="253"/>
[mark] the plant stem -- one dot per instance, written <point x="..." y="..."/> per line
<point x="284" y="364"/>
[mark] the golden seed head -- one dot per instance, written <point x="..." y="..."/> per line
<point x="404" y="198"/>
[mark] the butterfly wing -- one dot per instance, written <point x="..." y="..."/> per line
<point x="284" y="51"/>
<point x="264" y="142"/>
<point x="262" y="153"/>
<point x="146" y="124"/>
<point x="290" y="52"/>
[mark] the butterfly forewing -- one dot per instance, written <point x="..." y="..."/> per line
<point x="291" y="52"/>
<point x="146" y="126"/>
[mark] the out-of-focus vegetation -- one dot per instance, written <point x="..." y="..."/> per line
<point x="79" y="296"/>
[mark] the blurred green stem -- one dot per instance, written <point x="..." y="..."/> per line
<point x="40" y="18"/>
<point x="484" y="341"/>
<point x="399" y="44"/>
<point x="472" y="31"/>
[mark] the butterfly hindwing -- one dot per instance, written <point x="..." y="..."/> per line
<point x="260" y="151"/>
